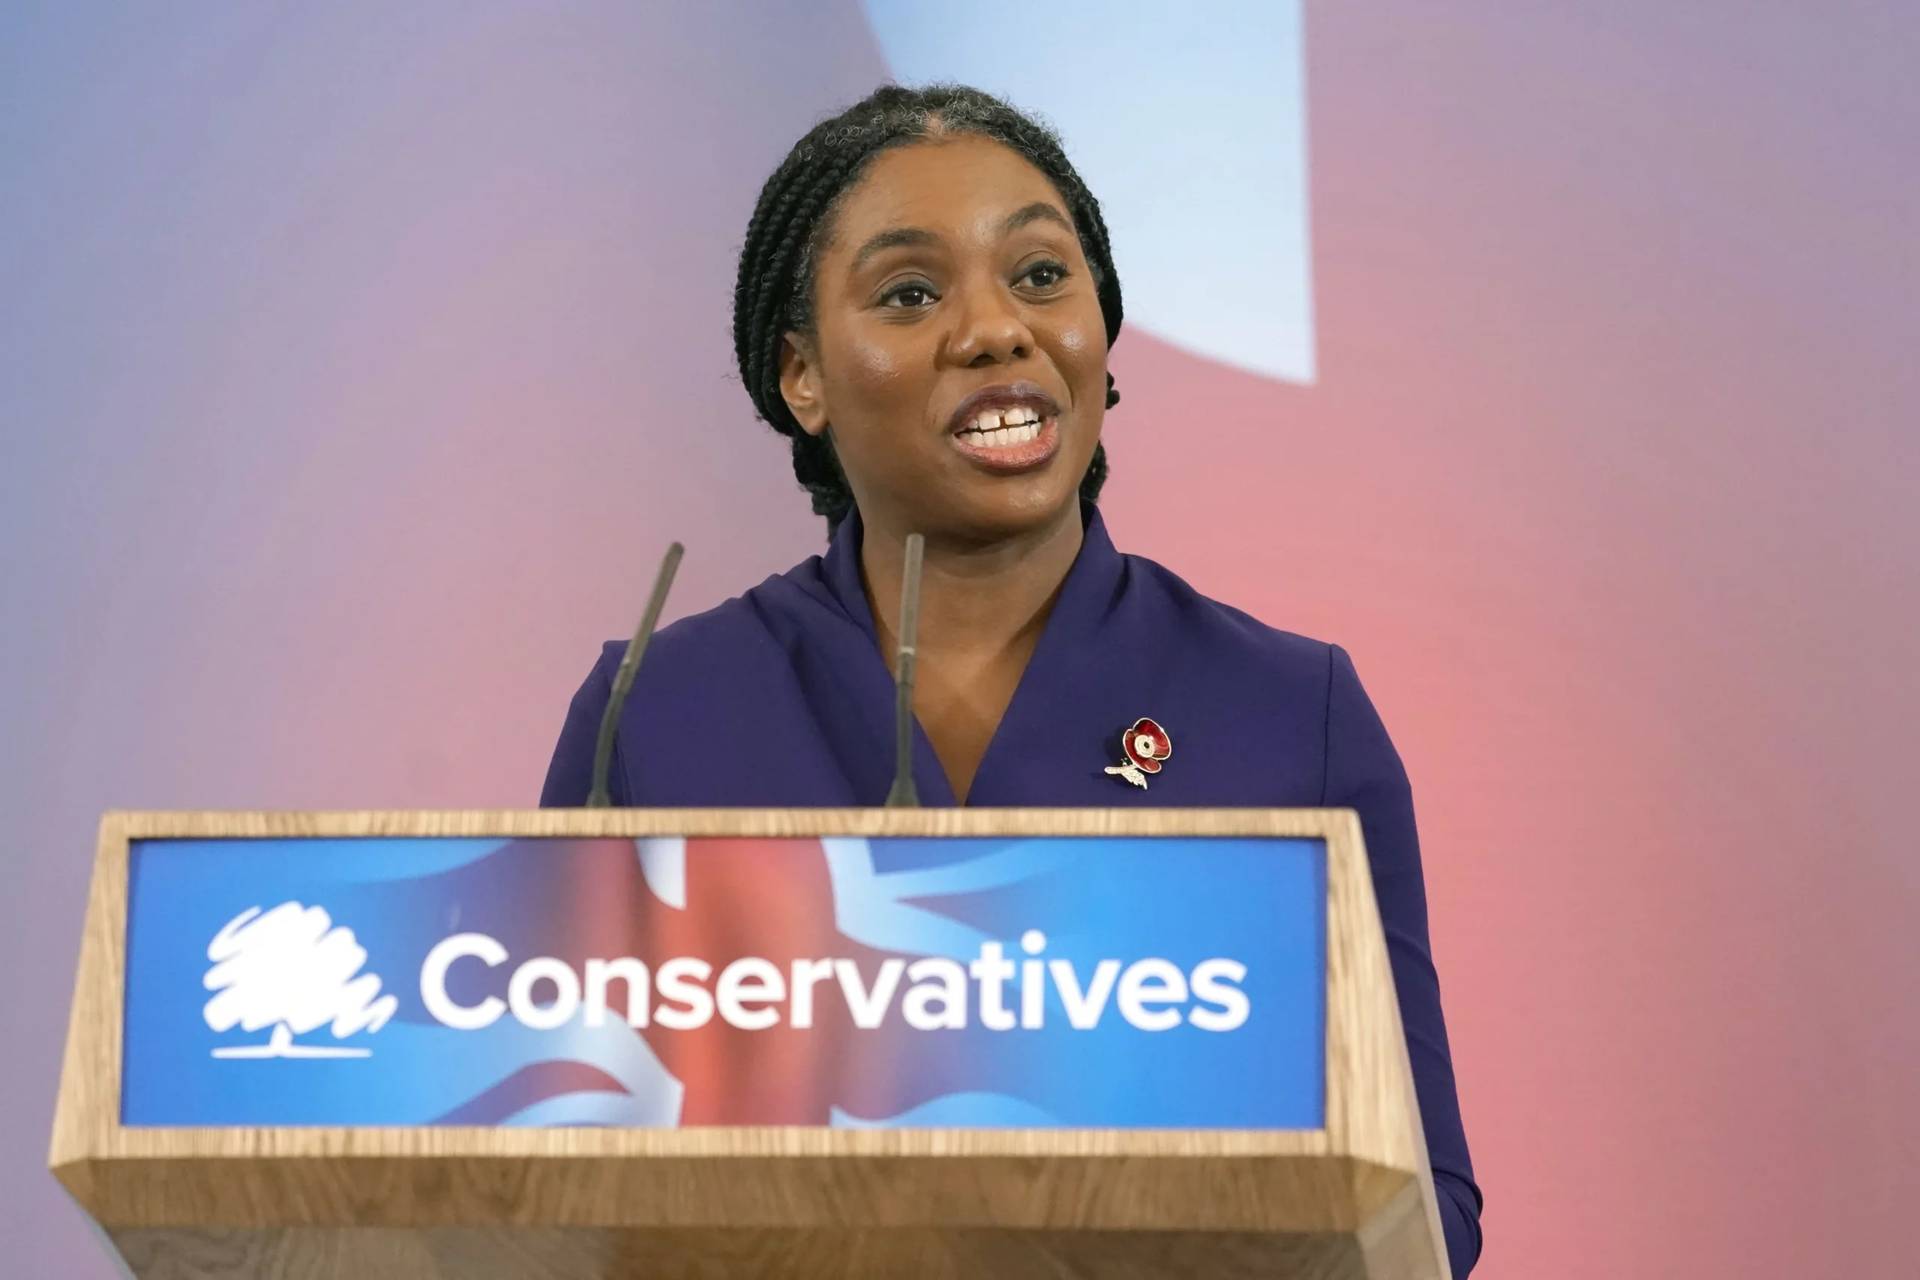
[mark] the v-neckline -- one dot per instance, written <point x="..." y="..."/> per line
<point x="1088" y="586"/>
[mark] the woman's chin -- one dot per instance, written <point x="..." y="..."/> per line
<point x="966" y="504"/>
<point x="1016" y="506"/>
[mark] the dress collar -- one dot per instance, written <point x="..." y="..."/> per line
<point x="1066" y="668"/>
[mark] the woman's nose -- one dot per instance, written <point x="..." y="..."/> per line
<point x="989" y="328"/>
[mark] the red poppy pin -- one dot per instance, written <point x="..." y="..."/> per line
<point x="1145" y="745"/>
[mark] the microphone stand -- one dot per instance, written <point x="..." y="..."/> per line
<point x="903" y="794"/>
<point x="597" y="798"/>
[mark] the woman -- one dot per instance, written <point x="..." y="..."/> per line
<point x="925" y="304"/>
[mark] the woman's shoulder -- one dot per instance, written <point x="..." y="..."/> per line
<point x="1220" y="631"/>
<point x="738" y="635"/>
<point x="706" y="683"/>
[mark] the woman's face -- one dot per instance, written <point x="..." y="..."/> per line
<point x="959" y="355"/>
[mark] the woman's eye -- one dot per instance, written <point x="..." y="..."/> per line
<point x="1046" y="274"/>
<point x="911" y="297"/>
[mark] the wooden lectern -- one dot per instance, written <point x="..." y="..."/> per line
<point x="147" y="1135"/>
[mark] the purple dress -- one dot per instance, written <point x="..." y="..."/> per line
<point x="780" y="697"/>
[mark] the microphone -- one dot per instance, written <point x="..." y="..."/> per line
<point x="903" y="795"/>
<point x="623" y="678"/>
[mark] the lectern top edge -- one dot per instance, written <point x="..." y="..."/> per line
<point x="1335" y="824"/>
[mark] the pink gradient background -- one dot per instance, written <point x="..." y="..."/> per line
<point x="355" y="365"/>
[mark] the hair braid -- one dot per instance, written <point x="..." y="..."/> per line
<point x="773" y="292"/>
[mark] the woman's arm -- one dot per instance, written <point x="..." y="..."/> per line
<point x="570" y="775"/>
<point x="1364" y="773"/>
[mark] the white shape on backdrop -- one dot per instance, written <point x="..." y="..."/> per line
<point x="1188" y="124"/>
<point x="293" y="970"/>
<point x="663" y="865"/>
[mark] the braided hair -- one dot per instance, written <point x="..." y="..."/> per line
<point x="793" y="219"/>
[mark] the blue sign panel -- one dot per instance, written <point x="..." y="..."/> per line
<point x="919" y="982"/>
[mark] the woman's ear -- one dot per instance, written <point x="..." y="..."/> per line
<point x="800" y="383"/>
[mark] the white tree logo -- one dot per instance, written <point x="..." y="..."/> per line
<point x="293" y="970"/>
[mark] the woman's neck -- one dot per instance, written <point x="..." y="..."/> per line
<point x="982" y="609"/>
<point x="973" y="595"/>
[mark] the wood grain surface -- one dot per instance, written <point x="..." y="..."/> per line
<point x="560" y="1254"/>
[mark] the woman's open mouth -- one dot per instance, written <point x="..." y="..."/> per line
<point x="1006" y="440"/>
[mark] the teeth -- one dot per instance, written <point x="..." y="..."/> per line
<point x="992" y="420"/>
<point x="1003" y="437"/>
